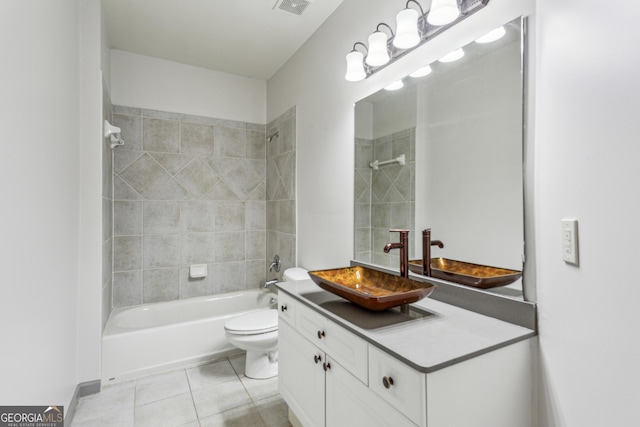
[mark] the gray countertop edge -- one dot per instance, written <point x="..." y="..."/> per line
<point x="425" y="369"/>
<point x="452" y="361"/>
<point x="519" y="312"/>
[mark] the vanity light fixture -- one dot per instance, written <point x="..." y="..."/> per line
<point x="452" y="56"/>
<point x="407" y="27"/>
<point x="355" y="64"/>
<point x="421" y="72"/>
<point x="443" y="12"/>
<point x="378" y="50"/>
<point x="398" y="84"/>
<point x="492" y="35"/>
<point x="413" y="29"/>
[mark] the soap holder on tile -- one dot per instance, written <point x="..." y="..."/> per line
<point x="198" y="271"/>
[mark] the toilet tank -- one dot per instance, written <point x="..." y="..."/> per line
<point x="294" y="274"/>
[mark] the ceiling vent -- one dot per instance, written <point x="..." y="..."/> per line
<point x="292" y="6"/>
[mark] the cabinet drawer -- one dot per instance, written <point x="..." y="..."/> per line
<point x="287" y="308"/>
<point x="401" y="386"/>
<point x="343" y="346"/>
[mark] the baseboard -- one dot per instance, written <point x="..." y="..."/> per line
<point x="82" y="389"/>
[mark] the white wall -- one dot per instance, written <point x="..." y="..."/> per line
<point x="583" y="131"/>
<point x="90" y="223"/>
<point x="40" y="170"/>
<point x="142" y="81"/>
<point x="586" y="167"/>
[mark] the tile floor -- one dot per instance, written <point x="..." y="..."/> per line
<point x="217" y="394"/>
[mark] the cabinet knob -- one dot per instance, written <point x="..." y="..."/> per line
<point x="317" y="358"/>
<point x="283" y="308"/>
<point x="387" y="382"/>
<point x="326" y="366"/>
<point x="320" y="334"/>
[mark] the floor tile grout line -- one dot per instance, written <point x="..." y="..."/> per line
<point x="193" y="401"/>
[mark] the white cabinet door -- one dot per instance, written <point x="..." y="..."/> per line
<point x="301" y="376"/>
<point x="351" y="403"/>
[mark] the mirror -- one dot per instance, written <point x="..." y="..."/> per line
<point x="460" y="129"/>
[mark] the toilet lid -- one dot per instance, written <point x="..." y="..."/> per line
<point x="258" y="322"/>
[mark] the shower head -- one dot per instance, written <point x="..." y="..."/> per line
<point x="272" y="136"/>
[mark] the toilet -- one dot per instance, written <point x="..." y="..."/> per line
<point x="257" y="334"/>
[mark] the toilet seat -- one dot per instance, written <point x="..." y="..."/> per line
<point x="259" y="322"/>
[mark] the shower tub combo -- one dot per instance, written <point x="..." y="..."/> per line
<point x="151" y="338"/>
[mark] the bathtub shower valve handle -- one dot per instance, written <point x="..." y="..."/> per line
<point x="387" y="382"/>
<point x="320" y="334"/>
<point x="317" y="359"/>
<point x="275" y="264"/>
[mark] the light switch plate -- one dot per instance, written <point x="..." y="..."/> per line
<point x="570" y="241"/>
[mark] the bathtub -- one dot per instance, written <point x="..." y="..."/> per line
<point x="151" y="338"/>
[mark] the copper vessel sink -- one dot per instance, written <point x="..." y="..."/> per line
<point x="371" y="289"/>
<point x="466" y="273"/>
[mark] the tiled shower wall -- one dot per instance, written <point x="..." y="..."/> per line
<point x="281" y="191"/>
<point x="107" y="213"/>
<point x="385" y="198"/>
<point x="187" y="190"/>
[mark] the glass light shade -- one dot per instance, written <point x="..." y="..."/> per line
<point x="421" y="72"/>
<point x="407" y="35"/>
<point x="355" y="66"/>
<point x="378" y="53"/>
<point x="443" y="12"/>
<point x="492" y="35"/>
<point x="452" y="56"/>
<point x="398" y="84"/>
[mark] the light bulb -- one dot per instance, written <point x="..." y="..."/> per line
<point x="443" y="12"/>
<point x="407" y="35"/>
<point x="421" y="72"/>
<point x="492" y="35"/>
<point x="355" y="66"/>
<point x="378" y="53"/>
<point x="452" y="56"/>
<point x="395" y="85"/>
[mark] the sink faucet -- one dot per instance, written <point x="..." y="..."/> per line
<point x="403" y="245"/>
<point x="269" y="283"/>
<point x="426" y="251"/>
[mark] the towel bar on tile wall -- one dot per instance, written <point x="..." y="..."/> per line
<point x="377" y="163"/>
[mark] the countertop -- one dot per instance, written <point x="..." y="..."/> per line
<point x="446" y="335"/>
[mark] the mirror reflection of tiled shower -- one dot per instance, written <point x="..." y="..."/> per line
<point x="384" y="197"/>
<point x="197" y="190"/>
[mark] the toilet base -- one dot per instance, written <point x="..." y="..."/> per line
<point x="260" y="366"/>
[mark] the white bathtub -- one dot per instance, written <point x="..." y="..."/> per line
<point x="151" y="338"/>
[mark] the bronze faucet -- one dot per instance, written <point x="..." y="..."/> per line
<point x="426" y="251"/>
<point x="403" y="245"/>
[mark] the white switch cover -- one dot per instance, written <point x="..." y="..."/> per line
<point x="570" y="241"/>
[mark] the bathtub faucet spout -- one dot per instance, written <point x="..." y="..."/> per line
<point x="269" y="283"/>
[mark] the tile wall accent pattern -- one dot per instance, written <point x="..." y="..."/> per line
<point x="187" y="190"/>
<point x="281" y="192"/>
<point x="384" y="199"/>
<point x="107" y="213"/>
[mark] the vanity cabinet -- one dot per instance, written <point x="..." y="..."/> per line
<point x="323" y="373"/>
<point x="330" y="376"/>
